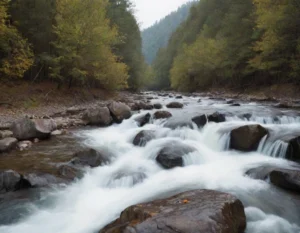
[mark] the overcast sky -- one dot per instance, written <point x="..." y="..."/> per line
<point x="150" y="11"/>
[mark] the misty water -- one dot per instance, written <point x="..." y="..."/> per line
<point x="133" y="175"/>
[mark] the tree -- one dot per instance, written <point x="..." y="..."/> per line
<point x="277" y="50"/>
<point x="34" y="19"/>
<point x="15" y="53"/>
<point x="129" y="46"/>
<point x="83" y="45"/>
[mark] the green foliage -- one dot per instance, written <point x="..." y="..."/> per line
<point x="83" y="45"/>
<point x="95" y="43"/>
<point x="129" y="46"/>
<point x="233" y="43"/>
<point x="157" y="36"/>
<point x="15" y="53"/>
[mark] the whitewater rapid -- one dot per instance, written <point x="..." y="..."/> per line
<point x="133" y="176"/>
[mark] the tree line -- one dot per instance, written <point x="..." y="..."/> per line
<point x="232" y="43"/>
<point x="94" y="43"/>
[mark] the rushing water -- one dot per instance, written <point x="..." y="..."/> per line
<point x="133" y="176"/>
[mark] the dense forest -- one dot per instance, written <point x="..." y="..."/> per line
<point x="96" y="43"/>
<point x="232" y="43"/>
<point x="157" y="36"/>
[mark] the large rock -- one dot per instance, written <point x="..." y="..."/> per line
<point x="143" y="137"/>
<point x="5" y="134"/>
<point x="286" y="179"/>
<point x="9" y="180"/>
<point x="143" y="120"/>
<point x="199" y="211"/>
<point x="200" y="121"/>
<point x="89" y="157"/>
<point x="97" y="116"/>
<point x="119" y="111"/>
<point x="162" y="115"/>
<point x="247" y="138"/>
<point x="26" y="129"/>
<point x="8" y="144"/>
<point x="216" y="117"/>
<point x="175" y="105"/>
<point x="171" y="155"/>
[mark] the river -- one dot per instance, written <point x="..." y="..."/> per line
<point x="133" y="176"/>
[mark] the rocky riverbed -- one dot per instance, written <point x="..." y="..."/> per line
<point x="183" y="163"/>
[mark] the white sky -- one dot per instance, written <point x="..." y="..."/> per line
<point x="150" y="11"/>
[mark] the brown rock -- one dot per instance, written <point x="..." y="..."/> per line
<point x="247" y="138"/>
<point x="199" y="211"/>
<point x="162" y="115"/>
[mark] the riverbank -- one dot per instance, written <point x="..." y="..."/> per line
<point x="45" y="100"/>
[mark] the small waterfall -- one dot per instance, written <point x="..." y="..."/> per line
<point x="275" y="149"/>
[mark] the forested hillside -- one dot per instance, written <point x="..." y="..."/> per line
<point x="94" y="43"/>
<point x="157" y="36"/>
<point x="233" y="43"/>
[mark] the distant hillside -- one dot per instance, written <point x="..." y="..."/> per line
<point x="157" y="36"/>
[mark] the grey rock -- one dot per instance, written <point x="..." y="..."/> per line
<point x="119" y="111"/>
<point x="97" y="116"/>
<point x="8" y="144"/>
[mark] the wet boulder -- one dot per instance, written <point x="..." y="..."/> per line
<point x="143" y="137"/>
<point x="26" y="129"/>
<point x="247" y="138"/>
<point x="179" y="97"/>
<point x="162" y="115"/>
<point x="6" y="134"/>
<point x="90" y="157"/>
<point x="171" y="155"/>
<point x="175" y="105"/>
<point x="97" y="116"/>
<point x="119" y="111"/>
<point x="8" y="144"/>
<point x="9" y="180"/>
<point x="198" y="211"/>
<point x="157" y="106"/>
<point x="293" y="150"/>
<point x="216" y="117"/>
<point x="286" y="179"/>
<point x="200" y="121"/>
<point x="143" y="120"/>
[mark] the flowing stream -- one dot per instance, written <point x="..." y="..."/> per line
<point x="133" y="176"/>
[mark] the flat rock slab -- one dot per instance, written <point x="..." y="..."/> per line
<point x="199" y="211"/>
